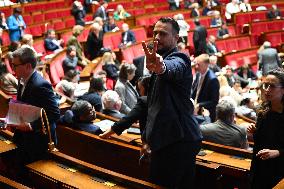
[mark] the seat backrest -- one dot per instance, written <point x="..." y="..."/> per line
<point x="274" y="38"/>
<point x="140" y="34"/>
<point x="56" y="69"/>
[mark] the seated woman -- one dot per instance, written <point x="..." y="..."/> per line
<point x="71" y="60"/>
<point x="120" y="13"/>
<point x="125" y="89"/>
<point x="109" y="66"/>
<point x="8" y="83"/>
<point x="246" y="74"/>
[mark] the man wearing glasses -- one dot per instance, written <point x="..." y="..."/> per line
<point x="36" y="91"/>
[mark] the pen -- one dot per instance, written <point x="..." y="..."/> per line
<point x="141" y="157"/>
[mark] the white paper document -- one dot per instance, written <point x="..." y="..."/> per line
<point x="17" y="110"/>
<point x="104" y="124"/>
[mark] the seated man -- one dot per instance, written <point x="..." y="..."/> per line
<point x="223" y="32"/>
<point x="224" y="131"/>
<point x="128" y="37"/>
<point x="112" y="104"/>
<point x="80" y="117"/>
<point x="51" y="43"/>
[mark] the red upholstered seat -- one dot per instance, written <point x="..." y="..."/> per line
<point x="275" y="25"/>
<point x="63" y="13"/>
<point x="58" y="25"/>
<point x="140" y="34"/>
<point x="9" y="69"/>
<point x="38" y="18"/>
<point x="127" y="54"/>
<point x="139" y="12"/>
<point x="39" y="47"/>
<point x="28" y="19"/>
<point x="259" y="15"/>
<point x="69" y="22"/>
<point x="221" y="44"/>
<point x="274" y="38"/>
<point x="116" y="39"/>
<point x="244" y="43"/>
<point x="5" y="38"/>
<point x="231" y="45"/>
<point x="107" y="42"/>
<point x="36" y="30"/>
<point x="56" y="70"/>
<point x="50" y="15"/>
<point x="137" y="50"/>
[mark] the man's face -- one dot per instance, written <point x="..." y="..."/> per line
<point x="167" y="39"/>
<point x="18" y="67"/>
<point x="52" y="35"/>
<point x="200" y="66"/>
<point x="89" y="115"/>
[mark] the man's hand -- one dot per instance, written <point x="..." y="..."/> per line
<point x="145" y="150"/>
<point x="107" y="134"/>
<point x="154" y="62"/>
<point x="265" y="154"/>
<point x="23" y="126"/>
<point x="251" y="128"/>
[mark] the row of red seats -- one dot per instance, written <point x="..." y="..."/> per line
<point x="256" y="28"/>
<point x="131" y="52"/>
<point x="239" y="58"/>
<point x="233" y="43"/>
<point x="210" y="31"/>
<point x="35" y="6"/>
<point x="39" y="17"/>
<point x="276" y="38"/>
<point x="113" y="40"/>
<point x="249" y="17"/>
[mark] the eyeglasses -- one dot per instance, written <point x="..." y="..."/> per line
<point x="265" y="86"/>
<point x="14" y="66"/>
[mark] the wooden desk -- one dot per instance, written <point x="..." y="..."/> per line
<point x="6" y="145"/>
<point x="280" y="185"/>
<point x="8" y="183"/>
<point x="63" y="171"/>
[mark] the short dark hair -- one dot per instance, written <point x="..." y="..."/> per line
<point x="26" y="55"/>
<point x="145" y="81"/>
<point x="96" y="85"/>
<point x="171" y="21"/>
<point x="3" y="68"/>
<point x="17" y="10"/>
<point x="126" y="69"/>
<point x="224" y="110"/>
<point x="69" y="75"/>
<point x="196" y="22"/>
<point x="80" y="108"/>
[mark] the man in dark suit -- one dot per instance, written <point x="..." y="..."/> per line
<point x="36" y="91"/>
<point x="274" y="12"/>
<point x="211" y="47"/>
<point x="205" y="88"/>
<point x="127" y="36"/>
<point x="199" y="38"/>
<point x="171" y="134"/>
<point x="139" y="63"/>
<point x="51" y="43"/>
<point x="102" y="12"/>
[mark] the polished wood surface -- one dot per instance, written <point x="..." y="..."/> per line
<point x="76" y="179"/>
<point x="8" y="183"/>
<point x="280" y="185"/>
<point x="61" y="170"/>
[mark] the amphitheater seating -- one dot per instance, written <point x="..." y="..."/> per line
<point x="234" y="43"/>
<point x="54" y="66"/>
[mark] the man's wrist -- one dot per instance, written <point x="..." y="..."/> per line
<point x="163" y="69"/>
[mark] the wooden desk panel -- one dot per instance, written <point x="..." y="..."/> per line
<point x="8" y="183"/>
<point x="77" y="179"/>
<point x="280" y="185"/>
<point x="6" y="145"/>
<point x="226" y="160"/>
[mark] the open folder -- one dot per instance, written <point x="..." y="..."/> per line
<point x="18" y="109"/>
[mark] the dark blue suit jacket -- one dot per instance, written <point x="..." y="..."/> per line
<point x="130" y="37"/>
<point x="38" y="92"/>
<point x="209" y="93"/>
<point x="170" y="111"/>
<point x="49" y="45"/>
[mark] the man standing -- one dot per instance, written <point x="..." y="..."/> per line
<point x="171" y="134"/>
<point x="36" y="91"/>
<point x="268" y="58"/>
<point x="199" y="38"/>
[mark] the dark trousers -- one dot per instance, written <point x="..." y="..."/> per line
<point x="174" y="165"/>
